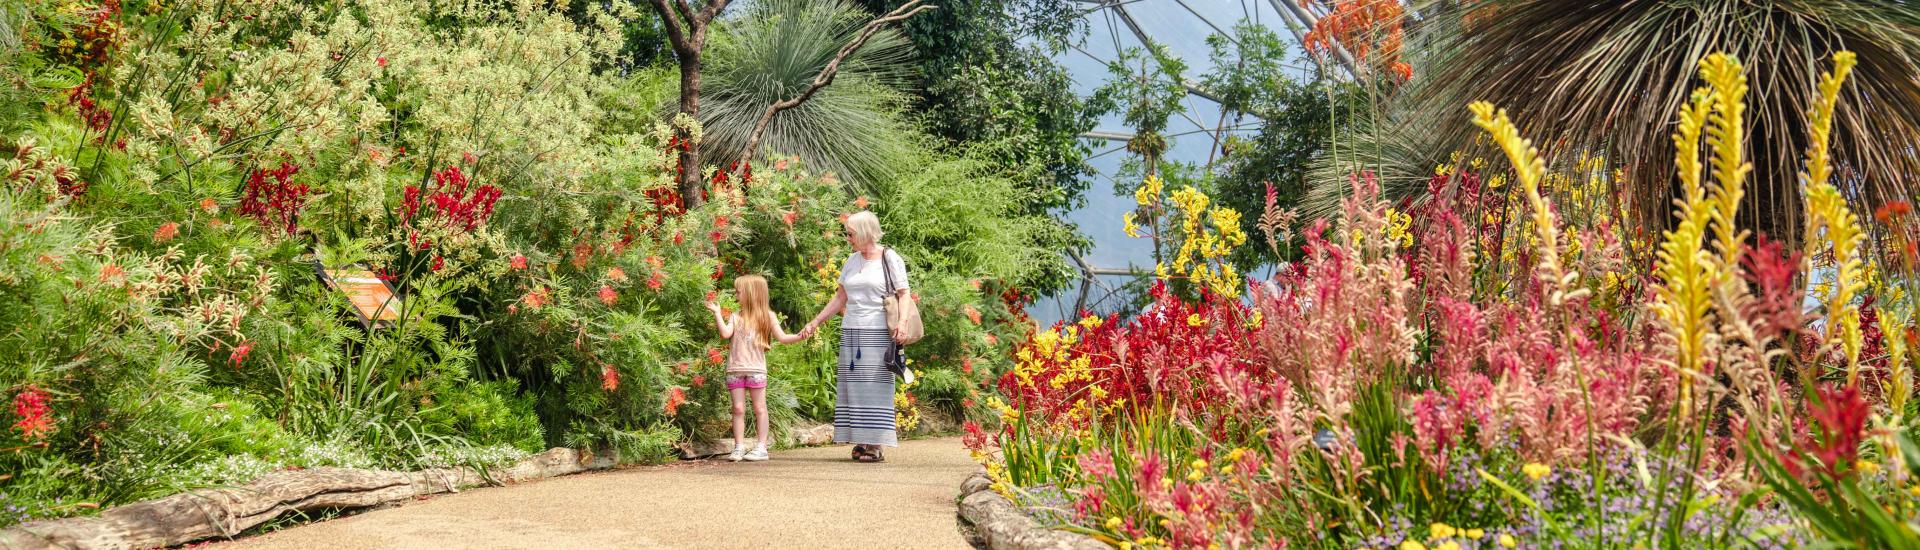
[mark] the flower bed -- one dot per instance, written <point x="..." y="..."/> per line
<point x="1490" y="369"/>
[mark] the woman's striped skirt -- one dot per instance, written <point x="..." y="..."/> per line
<point x="863" y="406"/>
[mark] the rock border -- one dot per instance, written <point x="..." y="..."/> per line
<point x="226" y="512"/>
<point x="1002" y="525"/>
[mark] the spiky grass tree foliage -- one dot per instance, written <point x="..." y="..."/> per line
<point x="1597" y="74"/>
<point x="772" y="53"/>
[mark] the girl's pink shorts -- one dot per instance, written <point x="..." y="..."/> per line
<point x="748" y="381"/>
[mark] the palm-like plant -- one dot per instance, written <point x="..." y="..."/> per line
<point x="1595" y="75"/>
<point x="772" y="53"/>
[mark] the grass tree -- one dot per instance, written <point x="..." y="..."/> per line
<point x="781" y="58"/>
<point x="769" y="86"/>
<point x="1597" y="74"/>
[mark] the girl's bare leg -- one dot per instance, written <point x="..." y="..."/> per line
<point x="740" y="414"/>
<point x="760" y="422"/>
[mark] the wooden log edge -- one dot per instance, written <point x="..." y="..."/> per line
<point x="1002" y="525"/>
<point x="226" y="512"/>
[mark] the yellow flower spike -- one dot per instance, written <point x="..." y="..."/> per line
<point x="1196" y="475"/>
<point x="1194" y="320"/>
<point x="1728" y="139"/>
<point x="1507" y="541"/>
<point x="1476" y="533"/>
<point x="1528" y="165"/>
<point x="1199" y="464"/>
<point x="1866" y="466"/>
<point x="1827" y="208"/>
<point x="1535" y="470"/>
<point x="1440" y="531"/>
<point x="1687" y="272"/>
<point x="1132" y="229"/>
<point x="1411" y="544"/>
<point x="1113" y="523"/>
<point x="1448" y="545"/>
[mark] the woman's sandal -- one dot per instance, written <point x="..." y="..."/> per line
<point x="858" y="452"/>
<point x="872" y="455"/>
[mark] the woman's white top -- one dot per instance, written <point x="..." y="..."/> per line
<point x="866" y="287"/>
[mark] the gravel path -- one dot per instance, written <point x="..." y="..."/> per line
<point x="803" y="498"/>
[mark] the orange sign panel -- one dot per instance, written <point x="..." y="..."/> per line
<point x="371" y="297"/>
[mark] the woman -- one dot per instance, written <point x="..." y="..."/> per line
<point x="863" y="411"/>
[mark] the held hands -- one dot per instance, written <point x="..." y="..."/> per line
<point x="807" y="331"/>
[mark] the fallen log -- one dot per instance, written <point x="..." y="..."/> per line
<point x="225" y="512"/>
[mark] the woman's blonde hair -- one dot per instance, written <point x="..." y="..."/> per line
<point x="865" y="226"/>
<point x="754" y="310"/>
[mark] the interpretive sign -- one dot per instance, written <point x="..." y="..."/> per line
<point x="372" y="299"/>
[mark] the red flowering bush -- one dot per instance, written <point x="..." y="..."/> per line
<point x="274" y="200"/>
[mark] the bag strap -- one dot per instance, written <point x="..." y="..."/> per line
<point x="886" y="270"/>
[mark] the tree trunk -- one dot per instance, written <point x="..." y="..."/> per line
<point x="691" y="185"/>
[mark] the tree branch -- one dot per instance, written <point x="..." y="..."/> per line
<point x="711" y="11"/>
<point x="686" y="11"/>
<point x="676" y="36"/>
<point x="827" y="73"/>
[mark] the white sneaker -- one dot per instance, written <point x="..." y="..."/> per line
<point x="757" y="454"/>
<point x="740" y="451"/>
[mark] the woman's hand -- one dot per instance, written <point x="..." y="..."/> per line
<point x="899" y="333"/>
<point x="807" y="331"/>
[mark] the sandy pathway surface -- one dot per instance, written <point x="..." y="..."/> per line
<point x="803" y="498"/>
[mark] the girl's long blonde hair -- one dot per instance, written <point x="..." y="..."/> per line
<point x="754" y="310"/>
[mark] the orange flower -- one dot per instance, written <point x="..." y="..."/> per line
<point x="519" y="262"/>
<point x="616" y="275"/>
<point x="607" y="295"/>
<point x="713" y="354"/>
<point x="609" y="378"/>
<point x="209" y="206"/>
<point x="535" y="298"/>
<point x="1891" y="211"/>
<point x="166" y="232"/>
<point x="675" y="398"/>
<point x="972" y="314"/>
<point x="861" y="202"/>
<point x="112" y="272"/>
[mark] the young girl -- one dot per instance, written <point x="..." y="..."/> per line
<point x="752" y="332"/>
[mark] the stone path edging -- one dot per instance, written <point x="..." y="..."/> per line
<point x="226" y="512"/>
<point x="1004" y="526"/>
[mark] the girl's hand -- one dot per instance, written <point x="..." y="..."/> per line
<point x="713" y="307"/>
